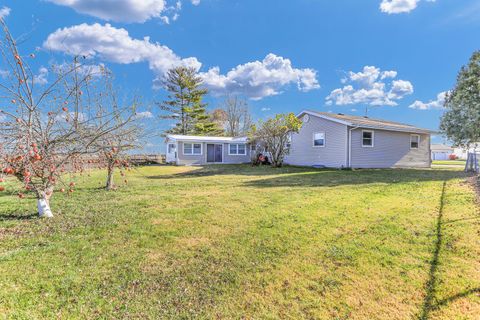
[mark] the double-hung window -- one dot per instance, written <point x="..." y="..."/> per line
<point x="367" y="138"/>
<point x="414" y="141"/>
<point x="319" y="139"/>
<point x="237" y="149"/>
<point x="192" y="148"/>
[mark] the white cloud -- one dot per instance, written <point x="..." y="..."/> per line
<point x="4" y="73"/>
<point x="370" y="86"/>
<point x="432" y="104"/>
<point x="41" y="77"/>
<point x="115" y="45"/>
<point x="117" y="10"/>
<point x="195" y="2"/>
<point x="260" y="79"/>
<point x="4" y="12"/>
<point x="144" y="115"/>
<point x="266" y="109"/>
<point x="255" y="80"/>
<point x="399" y="6"/>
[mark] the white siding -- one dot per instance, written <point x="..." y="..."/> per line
<point x="334" y="154"/>
<point x="391" y="149"/>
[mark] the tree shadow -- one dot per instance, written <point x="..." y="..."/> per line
<point x="430" y="302"/>
<point x="290" y="176"/>
<point x="17" y="216"/>
<point x="357" y="177"/>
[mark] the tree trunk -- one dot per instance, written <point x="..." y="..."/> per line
<point x="43" y="205"/>
<point x="110" y="184"/>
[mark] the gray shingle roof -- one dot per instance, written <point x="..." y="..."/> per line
<point x="372" y="123"/>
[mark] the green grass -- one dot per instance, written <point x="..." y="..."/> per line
<point x="449" y="162"/>
<point x="232" y="242"/>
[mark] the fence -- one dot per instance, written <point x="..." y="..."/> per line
<point x="140" y="159"/>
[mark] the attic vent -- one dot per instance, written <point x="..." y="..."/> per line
<point x="365" y="117"/>
<point x="340" y="114"/>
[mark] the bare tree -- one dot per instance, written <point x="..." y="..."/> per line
<point x="51" y="129"/>
<point x="237" y="116"/>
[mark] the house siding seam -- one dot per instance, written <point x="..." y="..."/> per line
<point x="391" y="149"/>
<point x="302" y="152"/>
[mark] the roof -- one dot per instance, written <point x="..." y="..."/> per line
<point x="441" y="147"/>
<point x="366" y="122"/>
<point x="206" y="138"/>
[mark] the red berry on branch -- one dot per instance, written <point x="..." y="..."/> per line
<point x="2" y="188"/>
<point x="65" y="109"/>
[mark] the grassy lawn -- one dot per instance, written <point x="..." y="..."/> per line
<point x="449" y="162"/>
<point x="241" y="242"/>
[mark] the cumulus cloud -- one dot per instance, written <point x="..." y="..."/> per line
<point x="41" y="77"/>
<point x="399" y="6"/>
<point x="115" y="45"/>
<point x="370" y="86"/>
<point x="144" y="115"/>
<point x="4" y="12"/>
<point x="432" y="104"/>
<point x="255" y="80"/>
<point x="260" y="79"/>
<point x="117" y="10"/>
<point x="265" y="109"/>
<point x="195" y="2"/>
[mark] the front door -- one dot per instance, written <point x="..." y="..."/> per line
<point x="214" y="153"/>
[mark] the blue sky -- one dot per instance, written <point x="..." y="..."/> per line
<point x="395" y="57"/>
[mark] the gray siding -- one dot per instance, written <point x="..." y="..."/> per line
<point x="334" y="154"/>
<point x="195" y="160"/>
<point x="391" y="149"/>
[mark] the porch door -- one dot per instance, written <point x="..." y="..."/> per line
<point x="214" y="153"/>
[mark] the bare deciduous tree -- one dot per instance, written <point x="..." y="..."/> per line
<point x="50" y="129"/>
<point x="237" y="116"/>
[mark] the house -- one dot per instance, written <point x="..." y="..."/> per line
<point x="441" y="151"/>
<point x="338" y="140"/>
<point x="462" y="153"/>
<point x="200" y="150"/>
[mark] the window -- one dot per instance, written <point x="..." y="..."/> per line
<point x="319" y="139"/>
<point x="171" y="148"/>
<point x="367" y="138"/>
<point x="237" y="149"/>
<point x="414" y="141"/>
<point x="192" y="148"/>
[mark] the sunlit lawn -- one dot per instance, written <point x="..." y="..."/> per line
<point x="240" y="242"/>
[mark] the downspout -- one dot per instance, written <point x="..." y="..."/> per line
<point x="350" y="146"/>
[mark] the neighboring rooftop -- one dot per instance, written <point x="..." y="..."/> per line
<point x="366" y="122"/>
<point x="440" y="147"/>
<point x="206" y="138"/>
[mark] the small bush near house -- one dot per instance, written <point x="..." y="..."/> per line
<point x="452" y="157"/>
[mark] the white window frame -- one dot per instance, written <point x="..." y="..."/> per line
<point x="236" y="148"/>
<point x="193" y="149"/>
<point x="418" y="143"/>
<point x="373" y="139"/>
<point x="324" y="139"/>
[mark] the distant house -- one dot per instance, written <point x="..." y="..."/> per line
<point x="462" y="153"/>
<point x="338" y="140"/>
<point x="441" y="151"/>
<point x="201" y="150"/>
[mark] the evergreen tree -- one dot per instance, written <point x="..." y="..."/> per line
<point x="184" y="103"/>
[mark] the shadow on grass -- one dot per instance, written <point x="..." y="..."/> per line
<point x="18" y="217"/>
<point x="430" y="302"/>
<point x="290" y="176"/>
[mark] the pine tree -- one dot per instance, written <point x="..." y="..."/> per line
<point x="184" y="104"/>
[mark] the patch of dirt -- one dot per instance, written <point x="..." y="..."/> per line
<point x="193" y="242"/>
<point x="474" y="181"/>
